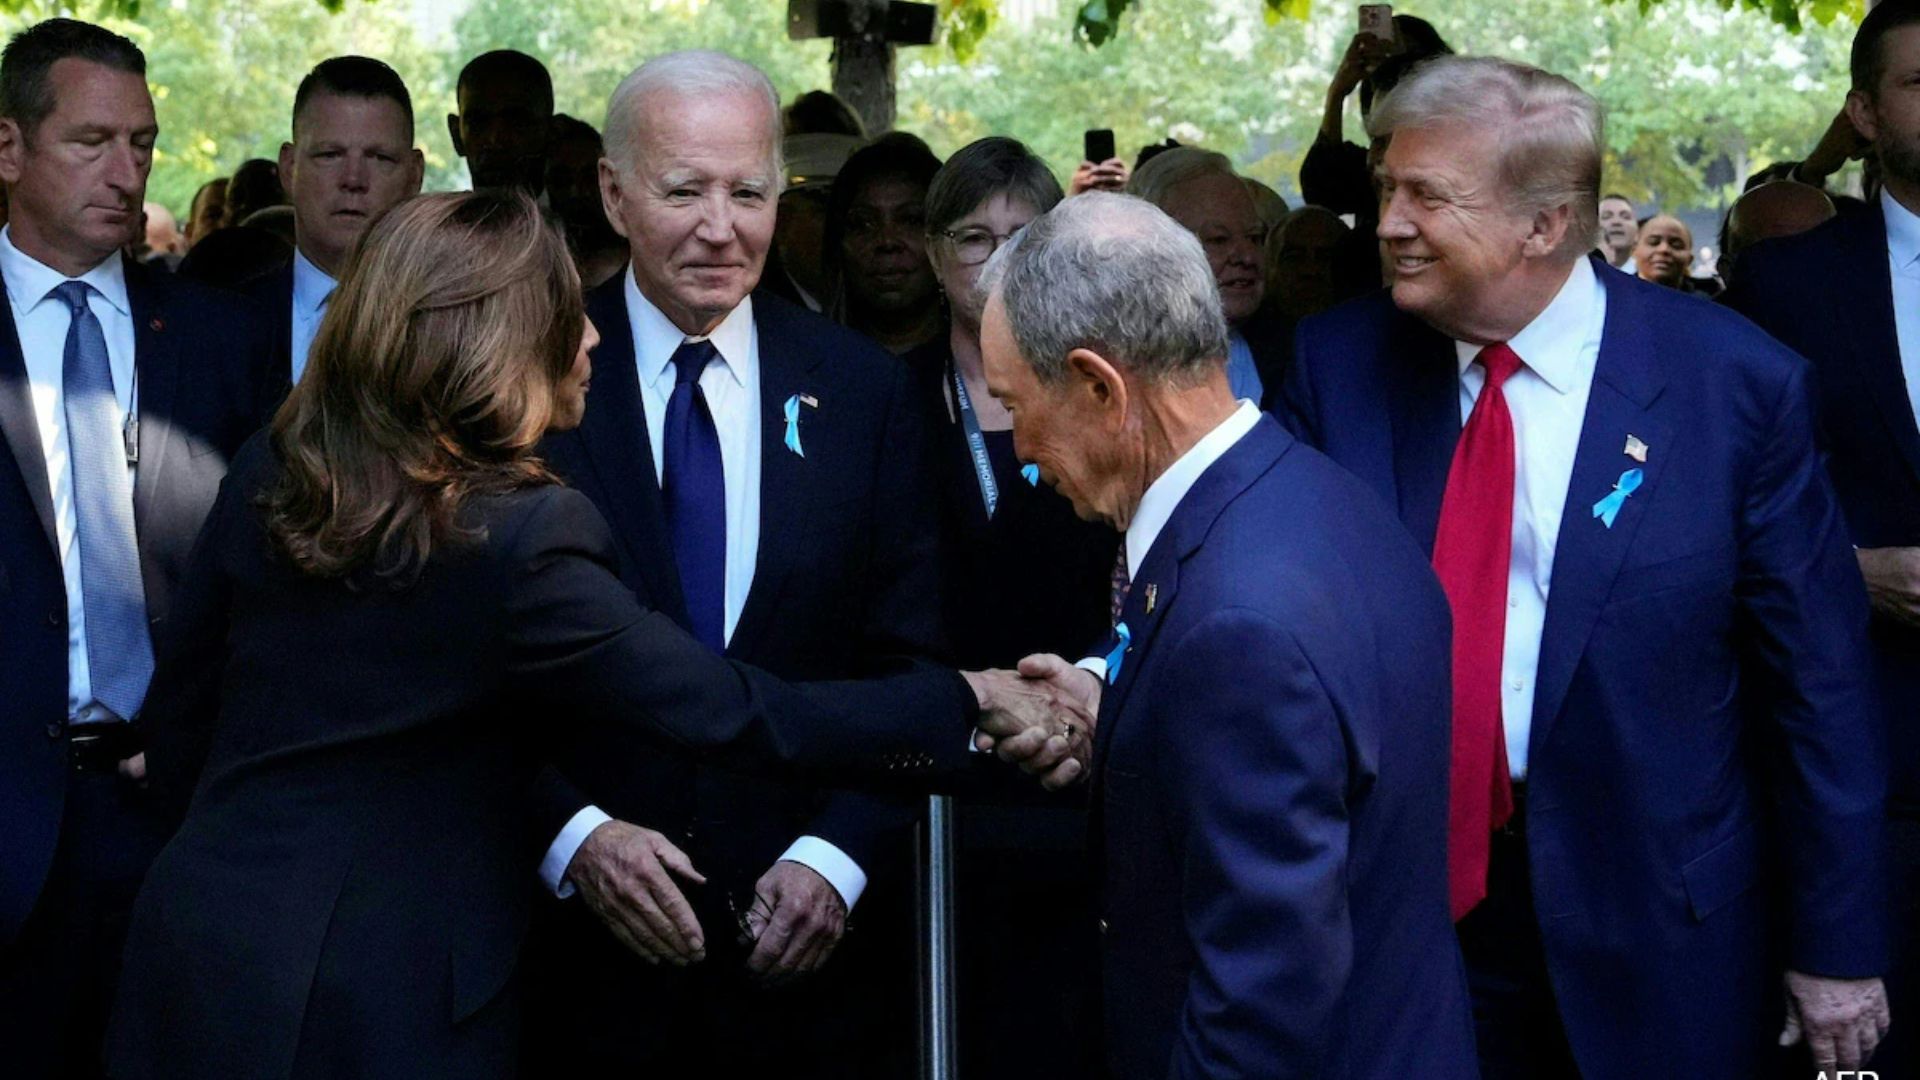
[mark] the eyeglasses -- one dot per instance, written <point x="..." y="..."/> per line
<point x="974" y="246"/>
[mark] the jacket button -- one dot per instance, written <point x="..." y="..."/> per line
<point x="53" y="729"/>
<point x="53" y="617"/>
<point x="1103" y="926"/>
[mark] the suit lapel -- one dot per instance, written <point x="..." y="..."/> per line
<point x="614" y="435"/>
<point x="788" y="489"/>
<point x="1627" y="382"/>
<point x="1426" y="426"/>
<point x="158" y="366"/>
<point x="1157" y="584"/>
<point x="1867" y="274"/>
<point x="21" y="429"/>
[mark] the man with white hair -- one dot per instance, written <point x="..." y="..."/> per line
<point x="1662" y="728"/>
<point x="1199" y="189"/>
<point x="762" y="468"/>
<point x="1270" y="780"/>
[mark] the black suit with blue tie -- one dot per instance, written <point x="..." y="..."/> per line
<point x="76" y="842"/>
<point x="846" y="577"/>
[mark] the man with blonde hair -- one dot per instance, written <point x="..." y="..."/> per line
<point x="1662" y="728"/>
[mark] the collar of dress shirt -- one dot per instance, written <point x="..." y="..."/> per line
<point x="1164" y="494"/>
<point x="1903" y="230"/>
<point x="1550" y="345"/>
<point x="655" y="337"/>
<point x="311" y="285"/>
<point x="29" y="281"/>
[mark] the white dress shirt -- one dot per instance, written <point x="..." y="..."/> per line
<point x="1903" y="254"/>
<point x="312" y="288"/>
<point x="732" y="388"/>
<point x="1547" y="397"/>
<point x="42" y="322"/>
<point x="1169" y="489"/>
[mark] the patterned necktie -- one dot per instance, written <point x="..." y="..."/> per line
<point x="694" y="491"/>
<point x="1120" y="583"/>
<point x="119" y="651"/>
<point x="1472" y="551"/>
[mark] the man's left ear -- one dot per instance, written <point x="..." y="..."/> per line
<point x="1548" y="231"/>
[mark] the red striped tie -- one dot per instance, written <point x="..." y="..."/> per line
<point x="1471" y="554"/>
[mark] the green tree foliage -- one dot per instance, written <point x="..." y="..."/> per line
<point x="1697" y="95"/>
<point x="223" y="73"/>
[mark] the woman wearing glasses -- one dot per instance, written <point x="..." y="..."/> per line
<point x="1024" y="575"/>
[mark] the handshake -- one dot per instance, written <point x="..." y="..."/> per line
<point x="1040" y="717"/>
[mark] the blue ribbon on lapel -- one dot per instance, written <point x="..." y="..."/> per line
<point x="792" y="410"/>
<point x="1031" y="473"/>
<point x="1609" y="508"/>
<point x="1123" y="640"/>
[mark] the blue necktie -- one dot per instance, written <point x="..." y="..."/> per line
<point x="694" y="489"/>
<point x="119" y="652"/>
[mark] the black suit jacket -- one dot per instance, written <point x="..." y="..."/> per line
<point x="847" y="576"/>
<point x="273" y="294"/>
<point x="1828" y="294"/>
<point x="203" y="390"/>
<point x="352" y="879"/>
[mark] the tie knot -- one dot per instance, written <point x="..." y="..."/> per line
<point x="1501" y="362"/>
<point x="73" y="294"/>
<point x="690" y="359"/>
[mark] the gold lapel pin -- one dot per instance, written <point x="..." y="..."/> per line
<point x="1636" y="449"/>
<point x="1153" y="596"/>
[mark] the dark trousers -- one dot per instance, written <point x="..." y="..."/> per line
<point x="595" y="1009"/>
<point x="1515" y="1018"/>
<point x="57" y="978"/>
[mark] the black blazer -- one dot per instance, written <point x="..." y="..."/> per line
<point x="1828" y="294"/>
<point x="273" y="294"/>
<point x="847" y="576"/>
<point x="202" y="392"/>
<point x="350" y="887"/>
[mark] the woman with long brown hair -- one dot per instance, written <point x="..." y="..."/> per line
<point x="393" y="608"/>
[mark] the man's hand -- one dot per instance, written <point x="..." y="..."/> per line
<point x="800" y="924"/>
<point x="1040" y="719"/>
<point x="1108" y="175"/>
<point x="625" y="873"/>
<point x="135" y="769"/>
<point x="1893" y="581"/>
<point x="1842" y="1020"/>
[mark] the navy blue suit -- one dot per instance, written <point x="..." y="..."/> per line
<point x="847" y="577"/>
<point x="202" y="391"/>
<point x="1270" y="789"/>
<point x="1701" y="714"/>
<point x="1828" y="295"/>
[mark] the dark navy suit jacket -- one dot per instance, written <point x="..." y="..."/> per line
<point x="847" y="575"/>
<point x="1701" y="713"/>
<point x="198" y="354"/>
<point x="1828" y="295"/>
<point x="1270" y="789"/>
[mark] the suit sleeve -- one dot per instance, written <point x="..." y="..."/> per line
<point x="1259" y="792"/>
<point x="577" y="641"/>
<point x="1801" y="590"/>
<point x="905" y="617"/>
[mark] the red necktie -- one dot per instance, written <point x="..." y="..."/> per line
<point x="1471" y="553"/>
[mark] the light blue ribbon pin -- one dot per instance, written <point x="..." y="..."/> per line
<point x="1609" y="508"/>
<point x="1123" y="640"/>
<point x="1032" y="474"/>
<point x="792" y="410"/>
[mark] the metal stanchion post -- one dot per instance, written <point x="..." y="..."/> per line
<point x="937" y="993"/>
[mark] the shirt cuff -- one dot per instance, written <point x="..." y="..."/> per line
<point x="831" y="863"/>
<point x="553" y="868"/>
<point x="1095" y="664"/>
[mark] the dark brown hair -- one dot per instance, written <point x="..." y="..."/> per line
<point x="26" y="65"/>
<point x="430" y="383"/>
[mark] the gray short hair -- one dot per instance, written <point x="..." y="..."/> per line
<point x="1551" y="133"/>
<point x="1114" y="274"/>
<point x="1170" y="168"/>
<point x="688" y="73"/>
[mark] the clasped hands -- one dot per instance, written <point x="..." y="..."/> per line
<point x="1039" y="717"/>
